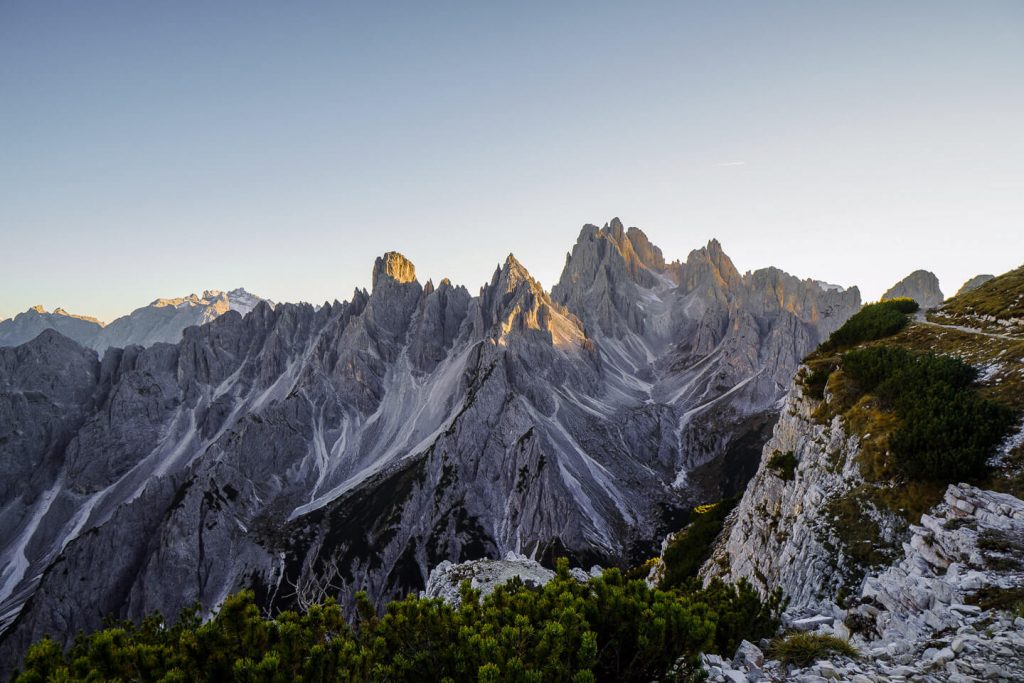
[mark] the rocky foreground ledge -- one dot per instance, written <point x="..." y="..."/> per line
<point x="951" y="610"/>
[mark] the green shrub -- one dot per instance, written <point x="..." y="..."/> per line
<point x="606" y="629"/>
<point x="740" y="613"/>
<point x="691" y="547"/>
<point x="903" y="304"/>
<point x="947" y="431"/>
<point x="783" y="464"/>
<point x="873" y="321"/>
<point x="815" y="380"/>
<point x="803" y="649"/>
<point x="998" y="598"/>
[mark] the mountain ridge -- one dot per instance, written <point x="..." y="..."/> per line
<point x="355" y="446"/>
<point x="162" y="320"/>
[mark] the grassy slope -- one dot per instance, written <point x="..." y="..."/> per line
<point x="1001" y="299"/>
<point x="885" y="495"/>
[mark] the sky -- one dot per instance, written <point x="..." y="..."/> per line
<point x="160" y="148"/>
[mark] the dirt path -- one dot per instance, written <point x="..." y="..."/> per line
<point x="969" y="330"/>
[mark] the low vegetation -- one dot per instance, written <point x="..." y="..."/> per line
<point x="783" y="464"/>
<point x="691" y="547"/>
<point x="873" y="321"/>
<point x="816" y="377"/>
<point x="803" y="649"/>
<point x="998" y="598"/>
<point x="740" y="613"/>
<point x="606" y="629"/>
<point x="947" y="431"/>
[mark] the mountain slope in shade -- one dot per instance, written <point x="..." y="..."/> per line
<point x="308" y="452"/>
<point x="161" y="321"/>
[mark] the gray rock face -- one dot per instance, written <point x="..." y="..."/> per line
<point x="974" y="283"/>
<point x="310" y="452"/>
<point x="916" y="619"/>
<point x="778" y="536"/>
<point x="445" y="580"/>
<point x="922" y="286"/>
<point x="161" y="321"/>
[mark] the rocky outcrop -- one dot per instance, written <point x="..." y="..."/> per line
<point x="311" y="452"/>
<point x="394" y="266"/>
<point x="943" y="612"/>
<point x="974" y="283"/>
<point x="445" y="580"/>
<point x="484" y="576"/>
<point x="161" y="321"/>
<point x="922" y="286"/>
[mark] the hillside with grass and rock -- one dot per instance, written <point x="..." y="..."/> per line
<point x="887" y="507"/>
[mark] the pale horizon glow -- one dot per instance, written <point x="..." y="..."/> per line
<point x="153" y="150"/>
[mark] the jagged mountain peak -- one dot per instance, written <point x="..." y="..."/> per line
<point x="648" y="252"/>
<point x="713" y="253"/>
<point x="514" y="302"/>
<point x="509" y="280"/>
<point x="442" y="287"/>
<point x="608" y="257"/>
<point x="395" y="266"/>
<point x="710" y="266"/>
<point x="633" y="244"/>
<point x="513" y="274"/>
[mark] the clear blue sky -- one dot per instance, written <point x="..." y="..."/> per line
<point x="158" y="148"/>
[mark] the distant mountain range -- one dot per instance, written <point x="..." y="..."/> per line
<point x="161" y="321"/>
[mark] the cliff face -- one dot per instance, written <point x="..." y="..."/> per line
<point x="779" y="536"/>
